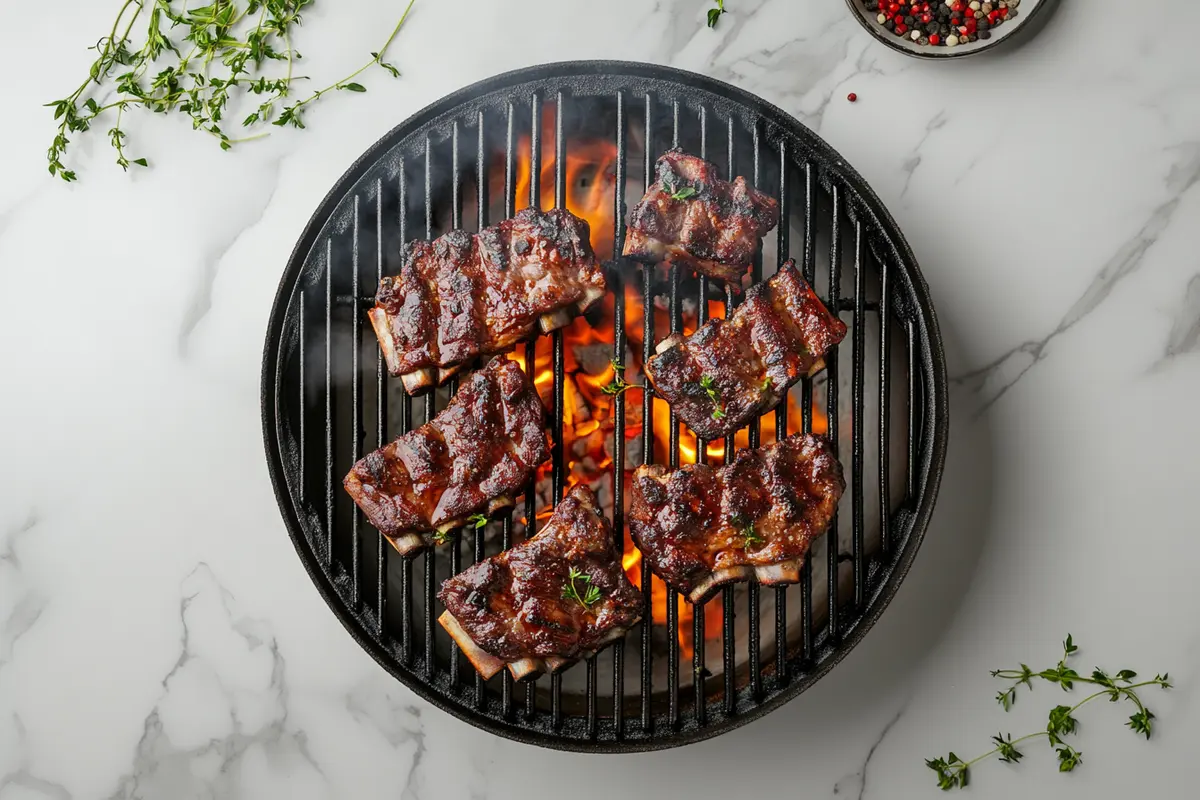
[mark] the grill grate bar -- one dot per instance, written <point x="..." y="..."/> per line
<point x="556" y="338"/>
<point x="530" y="530"/>
<point x="914" y="386"/>
<point x="430" y="409"/>
<point x="647" y="435"/>
<point x="329" y="402"/>
<point x="858" y="547"/>
<point x="406" y="420"/>
<point x="456" y="223"/>
<point x="672" y="595"/>
<point x="619" y="345"/>
<point x="510" y="192"/>
<point x="698" y="703"/>
<point x="754" y="643"/>
<point x="676" y="312"/>
<point x="729" y="657"/>
<point x="885" y="406"/>
<point x="481" y="198"/>
<point x="806" y="410"/>
<point x="356" y="419"/>
<point x="506" y="678"/>
<point x="591" y="697"/>
<point x="535" y="201"/>
<point x="381" y="546"/>
<point x="831" y="402"/>
<point x="300" y="435"/>
<point x="781" y="414"/>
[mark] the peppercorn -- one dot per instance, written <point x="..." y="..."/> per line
<point x="941" y="23"/>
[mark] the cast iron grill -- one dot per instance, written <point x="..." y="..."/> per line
<point x="325" y="403"/>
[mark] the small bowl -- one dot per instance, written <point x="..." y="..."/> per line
<point x="1033" y="15"/>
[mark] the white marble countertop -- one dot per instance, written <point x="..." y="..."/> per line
<point x="160" y="639"/>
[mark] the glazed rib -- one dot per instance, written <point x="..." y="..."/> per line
<point x="731" y="370"/>
<point x="701" y="527"/>
<point x="464" y="296"/>
<point x="690" y="215"/>
<point x="472" y="458"/>
<point x="513" y="610"/>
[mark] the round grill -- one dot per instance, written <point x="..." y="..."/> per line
<point x="585" y="135"/>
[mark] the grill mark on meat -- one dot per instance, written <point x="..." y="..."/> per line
<point x="716" y="230"/>
<point x="509" y="610"/>
<point x="780" y="334"/>
<point x="462" y="295"/>
<point x="475" y="456"/>
<point x="691" y="524"/>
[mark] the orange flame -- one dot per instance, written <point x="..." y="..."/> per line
<point x="589" y="179"/>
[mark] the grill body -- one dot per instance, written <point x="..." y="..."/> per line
<point x="327" y="400"/>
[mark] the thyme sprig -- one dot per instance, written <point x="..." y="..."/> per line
<point x="194" y="61"/>
<point x="591" y="593"/>
<point x="618" y="385"/>
<point x="714" y="14"/>
<point x="709" y="385"/>
<point x="955" y="773"/>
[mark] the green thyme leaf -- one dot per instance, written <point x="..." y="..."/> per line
<point x="1068" y="758"/>
<point x="1004" y="745"/>
<point x="1141" y="722"/>
<point x="164" y="57"/>
<point x="714" y="14"/>
<point x="571" y="591"/>
<point x="952" y="772"/>
<point x="750" y="536"/>
<point x="709" y="385"/>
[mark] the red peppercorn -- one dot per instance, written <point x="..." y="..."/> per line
<point x="934" y="38"/>
<point x="852" y="97"/>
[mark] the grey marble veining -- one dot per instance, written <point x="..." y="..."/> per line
<point x="159" y="639"/>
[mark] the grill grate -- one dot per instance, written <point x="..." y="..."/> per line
<point x="310" y="379"/>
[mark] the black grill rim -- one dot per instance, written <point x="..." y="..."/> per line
<point x="936" y="410"/>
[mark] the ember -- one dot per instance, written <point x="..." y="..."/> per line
<point x="587" y="411"/>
